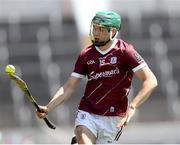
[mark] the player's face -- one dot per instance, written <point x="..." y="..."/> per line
<point x="100" y="33"/>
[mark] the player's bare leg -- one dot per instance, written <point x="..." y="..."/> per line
<point x="84" y="135"/>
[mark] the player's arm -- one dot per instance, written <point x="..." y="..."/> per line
<point x="63" y="93"/>
<point x="60" y="96"/>
<point x="149" y="82"/>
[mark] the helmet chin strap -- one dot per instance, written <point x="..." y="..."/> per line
<point x="103" y="43"/>
<point x="113" y="37"/>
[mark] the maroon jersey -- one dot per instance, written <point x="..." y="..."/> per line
<point x="109" y="76"/>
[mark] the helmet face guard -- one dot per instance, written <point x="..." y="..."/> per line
<point x="108" y="20"/>
<point x="101" y="43"/>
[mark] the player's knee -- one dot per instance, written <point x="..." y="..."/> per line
<point x="79" y="134"/>
<point x="83" y="135"/>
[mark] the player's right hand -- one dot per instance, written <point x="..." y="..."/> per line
<point x="43" y="112"/>
<point x="125" y="120"/>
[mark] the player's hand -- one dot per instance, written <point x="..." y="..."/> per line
<point x="43" y="112"/>
<point x="125" y="120"/>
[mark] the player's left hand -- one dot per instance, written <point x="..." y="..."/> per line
<point x="125" y="120"/>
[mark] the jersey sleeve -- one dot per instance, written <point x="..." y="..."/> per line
<point x="134" y="59"/>
<point x="79" y="68"/>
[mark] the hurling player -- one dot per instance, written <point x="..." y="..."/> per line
<point x="109" y="65"/>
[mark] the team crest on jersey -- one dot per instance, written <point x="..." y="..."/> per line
<point x="112" y="109"/>
<point x="113" y="60"/>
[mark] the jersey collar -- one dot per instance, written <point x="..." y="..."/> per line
<point x="109" y="49"/>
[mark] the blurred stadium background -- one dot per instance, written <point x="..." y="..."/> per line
<point x="41" y="38"/>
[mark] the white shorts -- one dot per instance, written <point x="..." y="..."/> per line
<point x="103" y="127"/>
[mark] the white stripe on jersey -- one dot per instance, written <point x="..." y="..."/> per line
<point x="77" y="75"/>
<point x="94" y="90"/>
<point x="139" y="67"/>
<point x="112" y="89"/>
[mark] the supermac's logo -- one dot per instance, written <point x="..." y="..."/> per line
<point x="105" y="74"/>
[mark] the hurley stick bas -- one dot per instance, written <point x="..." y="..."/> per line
<point x="10" y="70"/>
